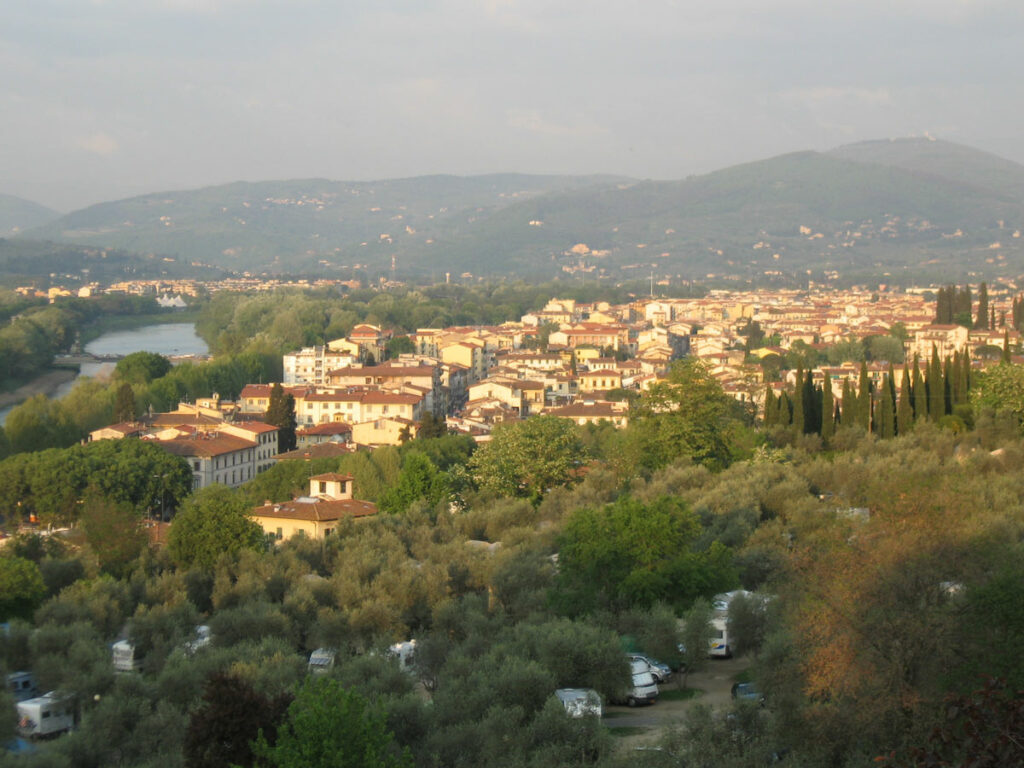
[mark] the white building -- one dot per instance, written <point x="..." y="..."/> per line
<point x="310" y="365"/>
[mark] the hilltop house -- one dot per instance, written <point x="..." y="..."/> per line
<point x="316" y="515"/>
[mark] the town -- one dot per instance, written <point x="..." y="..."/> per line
<point x="585" y="362"/>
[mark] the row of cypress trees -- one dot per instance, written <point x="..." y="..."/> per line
<point x="885" y="409"/>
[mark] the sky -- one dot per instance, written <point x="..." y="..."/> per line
<point x="105" y="99"/>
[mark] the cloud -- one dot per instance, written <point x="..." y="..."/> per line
<point x="98" y="144"/>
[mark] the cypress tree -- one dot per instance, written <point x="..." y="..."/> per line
<point x="1002" y="318"/>
<point x="992" y="319"/>
<point x="953" y="378"/>
<point x="920" y="393"/>
<point x="936" y="388"/>
<point x="785" y="410"/>
<point x="812" y="405"/>
<point x="828" y="411"/>
<point x="771" y="408"/>
<point x="962" y="307"/>
<point x="847" y="406"/>
<point x="944" y="305"/>
<point x="965" y="375"/>
<point x="281" y="414"/>
<point x="887" y="412"/>
<point x="982" y="321"/>
<point x="904" y="410"/>
<point x="1006" y="359"/>
<point x="947" y="389"/>
<point x="799" y="411"/>
<point x="864" y="398"/>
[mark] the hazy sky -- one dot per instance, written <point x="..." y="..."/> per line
<point x="108" y="98"/>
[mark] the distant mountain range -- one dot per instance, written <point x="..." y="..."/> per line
<point x="890" y="210"/>
<point x="18" y="214"/>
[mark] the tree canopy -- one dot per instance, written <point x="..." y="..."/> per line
<point x="212" y="523"/>
<point x="529" y="458"/>
<point x="330" y="726"/>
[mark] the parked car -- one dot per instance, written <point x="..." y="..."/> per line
<point x="661" y="672"/>
<point x="747" y="692"/>
<point x="579" y="702"/>
<point x="643" y="689"/>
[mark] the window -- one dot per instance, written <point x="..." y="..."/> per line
<point x="280" y="533"/>
<point x="323" y="487"/>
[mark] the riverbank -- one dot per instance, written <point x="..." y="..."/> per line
<point x="46" y="384"/>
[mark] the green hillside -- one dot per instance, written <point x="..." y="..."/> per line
<point x="18" y="214"/>
<point x="32" y="262"/>
<point x="941" y="158"/>
<point x="288" y="225"/>
<point x="911" y="208"/>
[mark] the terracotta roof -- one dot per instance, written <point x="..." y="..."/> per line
<point x="591" y="410"/>
<point x="320" y="510"/>
<point x="318" y="451"/>
<point x="216" y="444"/>
<point x="325" y="428"/>
<point x="258" y="427"/>
<point x="125" y="428"/>
<point x="180" y="418"/>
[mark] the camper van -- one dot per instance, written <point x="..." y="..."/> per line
<point x="321" y="661"/>
<point x="579" y="702"/>
<point x="125" y="658"/>
<point x="405" y="653"/>
<point x="22" y="685"/>
<point x="46" y="715"/>
<point x="719" y="645"/>
<point x="202" y="639"/>
<point x="643" y="689"/>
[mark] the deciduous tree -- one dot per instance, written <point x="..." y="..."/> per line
<point x="213" y="522"/>
<point x="329" y="726"/>
<point x="528" y="458"/>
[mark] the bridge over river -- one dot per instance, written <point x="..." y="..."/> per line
<point x="80" y="358"/>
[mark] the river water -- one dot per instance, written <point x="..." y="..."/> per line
<point x="170" y="339"/>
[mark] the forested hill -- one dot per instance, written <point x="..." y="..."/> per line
<point x="18" y="214"/>
<point x="42" y="264"/>
<point x="298" y="224"/>
<point x="913" y="209"/>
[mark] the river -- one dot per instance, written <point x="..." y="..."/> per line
<point x="170" y="339"/>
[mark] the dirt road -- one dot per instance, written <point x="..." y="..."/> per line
<point x="714" y="683"/>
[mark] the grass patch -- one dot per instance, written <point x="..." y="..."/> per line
<point x="677" y="694"/>
<point x="627" y="730"/>
<point x="744" y="676"/>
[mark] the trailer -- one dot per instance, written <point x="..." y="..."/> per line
<point x="22" y="685"/>
<point x="579" y="702"/>
<point x="125" y="658"/>
<point x="321" y="661"/>
<point x="47" y="715"/>
<point x="405" y="653"/>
